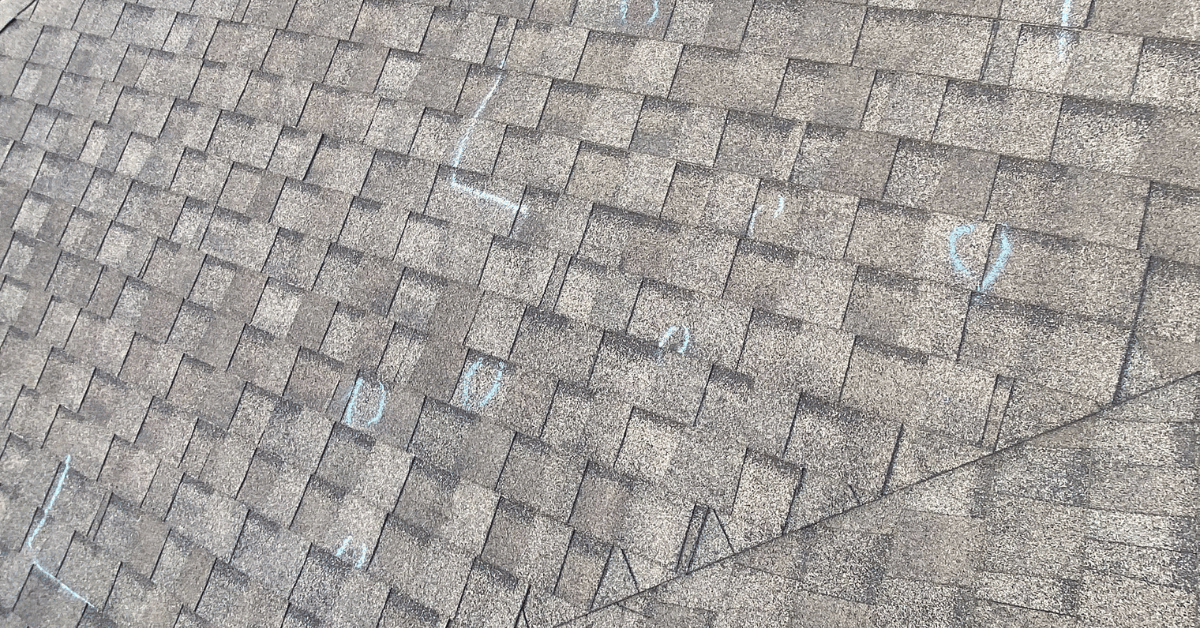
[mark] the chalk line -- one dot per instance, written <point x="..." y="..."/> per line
<point x="1062" y="34"/>
<point x="53" y="497"/>
<point x="462" y="147"/>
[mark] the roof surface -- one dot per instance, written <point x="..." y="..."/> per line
<point x="600" y="313"/>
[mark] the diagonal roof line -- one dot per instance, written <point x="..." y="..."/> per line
<point x="912" y="486"/>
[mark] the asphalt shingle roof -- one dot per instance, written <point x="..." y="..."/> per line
<point x="599" y="313"/>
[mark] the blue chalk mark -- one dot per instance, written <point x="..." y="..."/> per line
<point x="994" y="271"/>
<point x="1001" y="260"/>
<point x="955" y="260"/>
<point x="497" y="379"/>
<point x="362" y="556"/>
<point x="625" y="11"/>
<point x="779" y="207"/>
<point x="462" y="147"/>
<point x="379" y="408"/>
<point x="348" y="415"/>
<point x="62" y="585"/>
<point x="53" y="497"/>
<point x="1062" y="34"/>
<point x="362" y="551"/>
<point x="753" y="218"/>
<point x="666" y="337"/>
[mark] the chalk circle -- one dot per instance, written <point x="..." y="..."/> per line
<point x="348" y="415"/>
<point x="993" y="271"/>
<point x="465" y="399"/>
<point x="666" y="338"/>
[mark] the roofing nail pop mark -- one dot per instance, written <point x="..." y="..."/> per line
<point x="462" y="147"/>
<point x="994" y="271"/>
<point x="497" y="379"/>
<point x="348" y="415"/>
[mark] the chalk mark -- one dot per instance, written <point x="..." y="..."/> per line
<point x="993" y="272"/>
<point x="625" y="12"/>
<point x="62" y="585"/>
<point x="462" y="147"/>
<point x="1062" y="34"/>
<point x="666" y="337"/>
<point x="53" y="498"/>
<point x="362" y="551"/>
<point x="348" y="415"/>
<point x="757" y="209"/>
<point x="497" y="379"/>
<point x="62" y="476"/>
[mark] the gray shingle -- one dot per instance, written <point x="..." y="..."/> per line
<point x="812" y="29"/>
<point x="1007" y="121"/>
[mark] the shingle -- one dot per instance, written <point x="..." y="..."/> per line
<point x="426" y="80"/>
<point x="1165" y="71"/>
<point x="542" y="159"/>
<point x="839" y="160"/>
<point x="231" y="597"/>
<point x="1044" y="12"/>
<point x="190" y="124"/>
<point x="263" y="359"/>
<point x="495" y="326"/>
<point x="1171" y="223"/>
<point x="356" y="66"/>
<point x="719" y="78"/>
<point x="219" y="84"/>
<point x="191" y="34"/>
<point x="678" y="130"/>
<point x="824" y="92"/>
<point x="292" y="157"/>
<point x="919" y="41"/>
<point x="54" y="47"/>
<point x="244" y="138"/>
<point x="1087" y="63"/>
<point x="644" y="66"/>
<point x="705" y="197"/>
<point x="812" y="29"/>
<point x="1007" y="121"/>
<point x="183" y="568"/>
<point x="312" y="383"/>
<point x="1023" y="341"/>
<point x="340" y="166"/>
<point x="357" y="338"/>
<point x="394" y="125"/>
<point x="243" y="45"/>
<point x="131" y="536"/>
<point x="165" y="73"/>
<point x="941" y="179"/>
<point x="1078" y="278"/>
<point x="552" y="50"/>
<point x="268" y="13"/>
<point x="1049" y="198"/>
<point x="299" y="56"/>
<point x="273" y="98"/>
<point x="606" y="501"/>
<point x="211" y="520"/>
<point x="334" y="20"/>
<point x="458" y="35"/>
<point x="710" y="23"/>
<point x="144" y="26"/>
<point x="1167" y="156"/>
<point x="759" y="145"/>
<point x="517" y="97"/>
<point x="438" y="247"/>
<point x="919" y="315"/>
<point x="151" y="365"/>
<point x="392" y="25"/>
<point x="798" y="285"/>
<point x="311" y="209"/>
<point x="296" y="258"/>
<point x="594" y="114"/>
<point x="1105" y="136"/>
<point x="904" y="104"/>
<point x="37" y="84"/>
